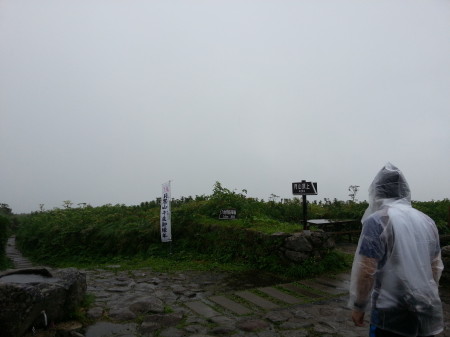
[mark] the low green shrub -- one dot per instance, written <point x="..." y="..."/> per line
<point x="439" y="211"/>
<point x="5" y="232"/>
<point x="5" y="224"/>
<point x="131" y="233"/>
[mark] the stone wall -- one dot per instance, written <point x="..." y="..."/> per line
<point x="256" y="247"/>
<point x="301" y="246"/>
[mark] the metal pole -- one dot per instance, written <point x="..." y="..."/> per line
<point x="305" y="217"/>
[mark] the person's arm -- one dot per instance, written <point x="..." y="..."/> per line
<point x="364" y="286"/>
<point x="371" y="250"/>
<point x="437" y="266"/>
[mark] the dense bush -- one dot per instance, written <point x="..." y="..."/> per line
<point x="5" y="224"/>
<point x="439" y="211"/>
<point x="5" y="231"/>
<point x="108" y="231"/>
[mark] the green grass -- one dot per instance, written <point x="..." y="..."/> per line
<point x="80" y="314"/>
<point x="258" y="224"/>
<point x="170" y="263"/>
<point x="5" y="263"/>
<point x="167" y="262"/>
<point x="270" y="228"/>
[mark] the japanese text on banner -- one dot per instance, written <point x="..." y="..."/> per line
<point x="166" y="226"/>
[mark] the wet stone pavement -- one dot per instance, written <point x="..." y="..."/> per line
<point x="143" y="303"/>
<point x="201" y="304"/>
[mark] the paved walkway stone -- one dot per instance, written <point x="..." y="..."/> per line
<point x="329" y="289"/>
<point x="258" y="300"/>
<point x="202" y="309"/>
<point x="342" y="277"/>
<point x="302" y="291"/>
<point x="233" y="306"/>
<point x="280" y="295"/>
<point x="339" y="285"/>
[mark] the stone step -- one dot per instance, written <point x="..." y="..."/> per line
<point x="15" y="255"/>
<point x="338" y="284"/>
<point x="202" y="309"/>
<point x="257" y="300"/>
<point x="22" y="266"/>
<point x="343" y="277"/>
<point x="329" y="289"/>
<point x="280" y="295"/>
<point x="233" y="306"/>
<point x="301" y="291"/>
<point x="22" y="260"/>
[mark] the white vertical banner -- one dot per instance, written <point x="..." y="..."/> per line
<point x="166" y="225"/>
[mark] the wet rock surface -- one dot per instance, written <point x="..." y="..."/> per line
<point x="145" y="303"/>
<point x="35" y="296"/>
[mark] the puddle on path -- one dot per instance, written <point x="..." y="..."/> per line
<point x="27" y="278"/>
<point x="107" y="329"/>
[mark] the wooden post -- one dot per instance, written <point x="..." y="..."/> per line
<point x="305" y="216"/>
<point x="304" y="188"/>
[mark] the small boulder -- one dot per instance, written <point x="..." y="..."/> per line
<point x="147" y="305"/>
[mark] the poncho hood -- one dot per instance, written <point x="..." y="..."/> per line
<point x="388" y="187"/>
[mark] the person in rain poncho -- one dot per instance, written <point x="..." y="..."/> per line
<point x="397" y="263"/>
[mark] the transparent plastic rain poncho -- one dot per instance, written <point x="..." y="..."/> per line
<point x="397" y="263"/>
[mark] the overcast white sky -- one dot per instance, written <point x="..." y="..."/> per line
<point x="102" y="101"/>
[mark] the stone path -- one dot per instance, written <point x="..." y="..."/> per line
<point x="199" y="304"/>
<point x="15" y="255"/>
<point x="205" y="304"/>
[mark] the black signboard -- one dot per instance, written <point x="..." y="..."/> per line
<point x="228" y="214"/>
<point x="304" y="188"/>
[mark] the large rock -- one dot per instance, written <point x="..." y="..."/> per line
<point x="301" y="246"/>
<point x="36" y="296"/>
<point x="299" y="242"/>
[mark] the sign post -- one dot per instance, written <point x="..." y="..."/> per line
<point x="304" y="188"/>
<point x="165" y="218"/>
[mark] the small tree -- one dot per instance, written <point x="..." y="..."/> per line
<point x="273" y="197"/>
<point x="5" y="209"/>
<point x="353" y="189"/>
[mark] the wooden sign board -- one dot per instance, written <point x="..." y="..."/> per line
<point x="304" y="188"/>
<point x="228" y="214"/>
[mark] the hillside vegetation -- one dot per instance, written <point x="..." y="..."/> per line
<point x="6" y="228"/>
<point x="112" y="233"/>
